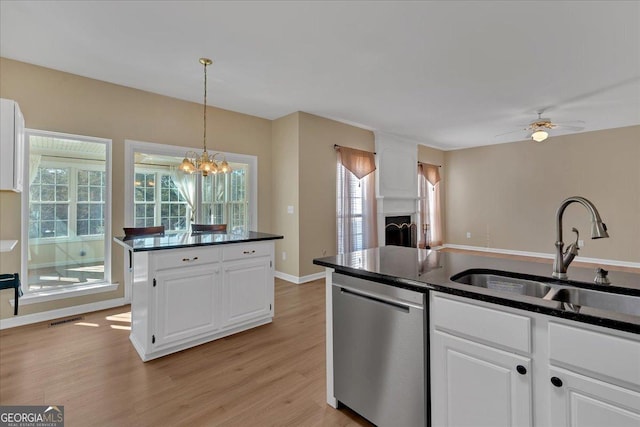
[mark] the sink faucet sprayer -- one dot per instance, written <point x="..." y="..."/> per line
<point x="598" y="231"/>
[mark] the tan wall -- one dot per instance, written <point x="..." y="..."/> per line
<point x="507" y="195"/>
<point x="62" y="102"/>
<point x="286" y="187"/>
<point x="318" y="183"/>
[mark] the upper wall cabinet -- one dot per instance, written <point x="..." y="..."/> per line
<point x="11" y="146"/>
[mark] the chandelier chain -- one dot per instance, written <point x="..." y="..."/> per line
<point x="204" y="163"/>
<point x="204" y="137"/>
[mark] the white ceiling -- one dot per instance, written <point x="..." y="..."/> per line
<point x="448" y="74"/>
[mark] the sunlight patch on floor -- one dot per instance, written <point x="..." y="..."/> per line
<point x="93" y="325"/>
<point x="121" y="317"/>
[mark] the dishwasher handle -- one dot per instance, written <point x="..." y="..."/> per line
<point x="377" y="299"/>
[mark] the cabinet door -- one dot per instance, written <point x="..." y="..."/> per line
<point x="11" y="146"/>
<point x="18" y="161"/>
<point x="187" y="303"/>
<point x="580" y="401"/>
<point x="476" y="385"/>
<point x="247" y="290"/>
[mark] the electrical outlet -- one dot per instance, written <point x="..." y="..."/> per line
<point x="284" y="256"/>
<point x="289" y="209"/>
<point x="580" y="243"/>
<point x="468" y="234"/>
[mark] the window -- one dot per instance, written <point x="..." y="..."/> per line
<point x="67" y="209"/>
<point x="356" y="212"/>
<point x="91" y="195"/>
<point x="157" y="193"/>
<point x="350" y="208"/>
<point x="173" y="206"/>
<point x="224" y="199"/>
<point x="49" y="203"/>
<point x="161" y="204"/>
<point x="429" y="206"/>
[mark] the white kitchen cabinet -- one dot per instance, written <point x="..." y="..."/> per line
<point x="11" y="146"/>
<point x="594" y="377"/>
<point x="477" y="377"/>
<point x="185" y="297"/>
<point x="582" y="401"/>
<point x="187" y="303"/>
<point x="577" y="374"/>
<point x="246" y="293"/>
<point x="478" y="385"/>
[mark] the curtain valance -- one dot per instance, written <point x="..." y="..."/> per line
<point x="360" y="163"/>
<point x="430" y="172"/>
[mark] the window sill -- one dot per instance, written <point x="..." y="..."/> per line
<point x="57" y="294"/>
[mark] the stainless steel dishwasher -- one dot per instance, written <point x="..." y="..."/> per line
<point x="379" y="351"/>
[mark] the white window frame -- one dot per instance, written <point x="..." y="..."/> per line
<point x="159" y="172"/>
<point x="132" y="147"/>
<point x="73" y="201"/>
<point x="68" y="291"/>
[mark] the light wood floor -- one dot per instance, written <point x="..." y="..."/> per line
<point x="273" y="375"/>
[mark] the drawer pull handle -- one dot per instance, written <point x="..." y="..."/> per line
<point x="556" y="381"/>
<point x="249" y="252"/>
<point x="521" y="369"/>
<point x="189" y="259"/>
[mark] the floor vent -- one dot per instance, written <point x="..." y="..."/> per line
<point x="63" y="321"/>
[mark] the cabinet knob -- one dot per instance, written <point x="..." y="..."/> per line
<point x="556" y="381"/>
<point x="521" y="369"/>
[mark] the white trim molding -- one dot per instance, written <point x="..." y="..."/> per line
<point x="543" y="255"/>
<point x="44" y="316"/>
<point x="299" y="280"/>
<point x="53" y="294"/>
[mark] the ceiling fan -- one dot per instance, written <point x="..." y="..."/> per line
<point x="539" y="129"/>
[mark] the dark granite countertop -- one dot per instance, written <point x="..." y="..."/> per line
<point x="187" y="240"/>
<point x="422" y="270"/>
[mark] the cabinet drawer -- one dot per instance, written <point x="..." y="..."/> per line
<point x="595" y="352"/>
<point x="495" y="327"/>
<point x="243" y="251"/>
<point x="186" y="257"/>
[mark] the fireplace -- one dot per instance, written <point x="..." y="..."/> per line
<point x="400" y="231"/>
<point x="396" y="190"/>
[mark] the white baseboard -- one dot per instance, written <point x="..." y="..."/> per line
<point x="299" y="280"/>
<point x="29" y="319"/>
<point x="544" y="255"/>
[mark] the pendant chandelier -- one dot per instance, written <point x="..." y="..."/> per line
<point x="204" y="163"/>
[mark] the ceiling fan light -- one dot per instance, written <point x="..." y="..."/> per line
<point x="539" y="135"/>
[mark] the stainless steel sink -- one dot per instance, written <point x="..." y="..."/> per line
<point x="570" y="298"/>
<point x="504" y="283"/>
<point x="575" y="298"/>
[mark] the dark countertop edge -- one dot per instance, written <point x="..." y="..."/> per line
<point x="424" y="287"/>
<point x="191" y="245"/>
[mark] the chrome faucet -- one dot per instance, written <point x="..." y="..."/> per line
<point x="598" y="231"/>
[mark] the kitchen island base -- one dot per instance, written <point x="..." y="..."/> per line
<point x="186" y="296"/>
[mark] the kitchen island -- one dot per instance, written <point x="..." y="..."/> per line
<point x="188" y="289"/>
<point x="493" y="355"/>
